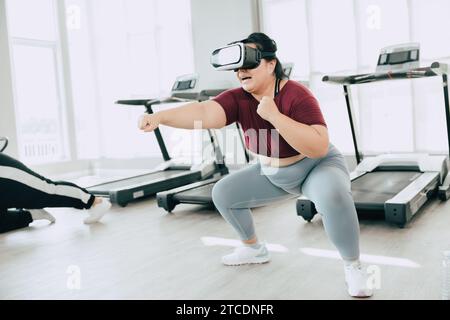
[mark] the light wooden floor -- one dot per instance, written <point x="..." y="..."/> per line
<point x="139" y="252"/>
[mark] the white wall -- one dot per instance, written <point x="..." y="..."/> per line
<point x="216" y="23"/>
<point x="7" y="115"/>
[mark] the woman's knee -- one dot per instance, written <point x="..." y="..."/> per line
<point x="231" y="187"/>
<point x="333" y="194"/>
<point x="220" y="193"/>
<point x="329" y="186"/>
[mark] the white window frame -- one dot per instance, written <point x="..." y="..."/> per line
<point x="59" y="48"/>
<point x="8" y="117"/>
<point x="54" y="47"/>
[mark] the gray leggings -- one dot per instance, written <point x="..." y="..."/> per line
<point x="325" y="181"/>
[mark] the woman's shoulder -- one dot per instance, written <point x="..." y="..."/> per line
<point x="295" y="86"/>
<point x="296" y="90"/>
<point x="237" y="90"/>
<point x="233" y="92"/>
<point x="233" y="98"/>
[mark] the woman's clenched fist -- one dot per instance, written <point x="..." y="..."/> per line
<point x="149" y="122"/>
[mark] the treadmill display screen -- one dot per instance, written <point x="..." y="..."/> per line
<point x="399" y="57"/>
<point x="287" y="71"/>
<point x="183" y="85"/>
<point x="383" y="59"/>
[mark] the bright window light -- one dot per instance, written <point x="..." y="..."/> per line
<point x="331" y="37"/>
<point x="37" y="81"/>
<point x="372" y="259"/>
<point x="215" y="241"/>
<point x="124" y="50"/>
<point x="37" y="103"/>
<point x="32" y="19"/>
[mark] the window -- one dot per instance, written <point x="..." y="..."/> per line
<point x="386" y="116"/>
<point x="346" y="36"/>
<point x="333" y="49"/>
<point x="333" y="36"/>
<point x="125" y="49"/>
<point x="32" y="19"/>
<point x="39" y="98"/>
<point x="380" y="23"/>
<point x="87" y="122"/>
<point x="430" y="29"/>
<point x="286" y="23"/>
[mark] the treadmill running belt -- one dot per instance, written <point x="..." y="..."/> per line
<point x="203" y="191"/>
<point x="139" y="180"/>
<point x="379" y="186"/>
<point x="200" y="195"/>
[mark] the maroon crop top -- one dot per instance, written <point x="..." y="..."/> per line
<point x="294" y="100"/>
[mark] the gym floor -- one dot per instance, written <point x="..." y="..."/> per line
<point x="140" y="252"/>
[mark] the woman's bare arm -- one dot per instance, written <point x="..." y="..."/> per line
<point x="205" y="115"/>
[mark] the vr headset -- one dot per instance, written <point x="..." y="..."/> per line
<point x="238" y="55"/>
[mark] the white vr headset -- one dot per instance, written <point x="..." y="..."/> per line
<point x="237" y="56"/>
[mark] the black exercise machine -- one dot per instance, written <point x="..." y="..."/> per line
<point x="169" y="175"/>
<point x="198" y="192"/>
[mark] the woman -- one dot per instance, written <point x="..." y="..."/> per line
<point x="295" y="158"/>
<point x="24" y="194"/>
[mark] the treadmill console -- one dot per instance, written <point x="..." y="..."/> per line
<point x="399" y="57"/>
<point x="185" y="83"/>
<point x="185" y="87"/>
<point x="287" y="68"/>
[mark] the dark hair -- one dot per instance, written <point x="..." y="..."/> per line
<point x="266" y="44"/>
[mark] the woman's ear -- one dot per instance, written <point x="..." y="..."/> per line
<point x="272" y="64"/>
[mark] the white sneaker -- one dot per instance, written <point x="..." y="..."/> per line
<point x="247" y="255"/>
<point x="96" y="212"/>
<point x="41" y="214"/>
<point x="356" y="280"/>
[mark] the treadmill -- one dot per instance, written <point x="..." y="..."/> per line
<point x="198" y="192"/>
<point x="396" y="184"/>
<point x="169" y="174"/>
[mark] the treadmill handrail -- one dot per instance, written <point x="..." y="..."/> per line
<point x="148" y="103"/>
<point x="5" y="143"/>
<point x="435" y="69"/>
<point x="151" y="102"/>
<point x="137" y="102"/>
<point x="176" y="97"/>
